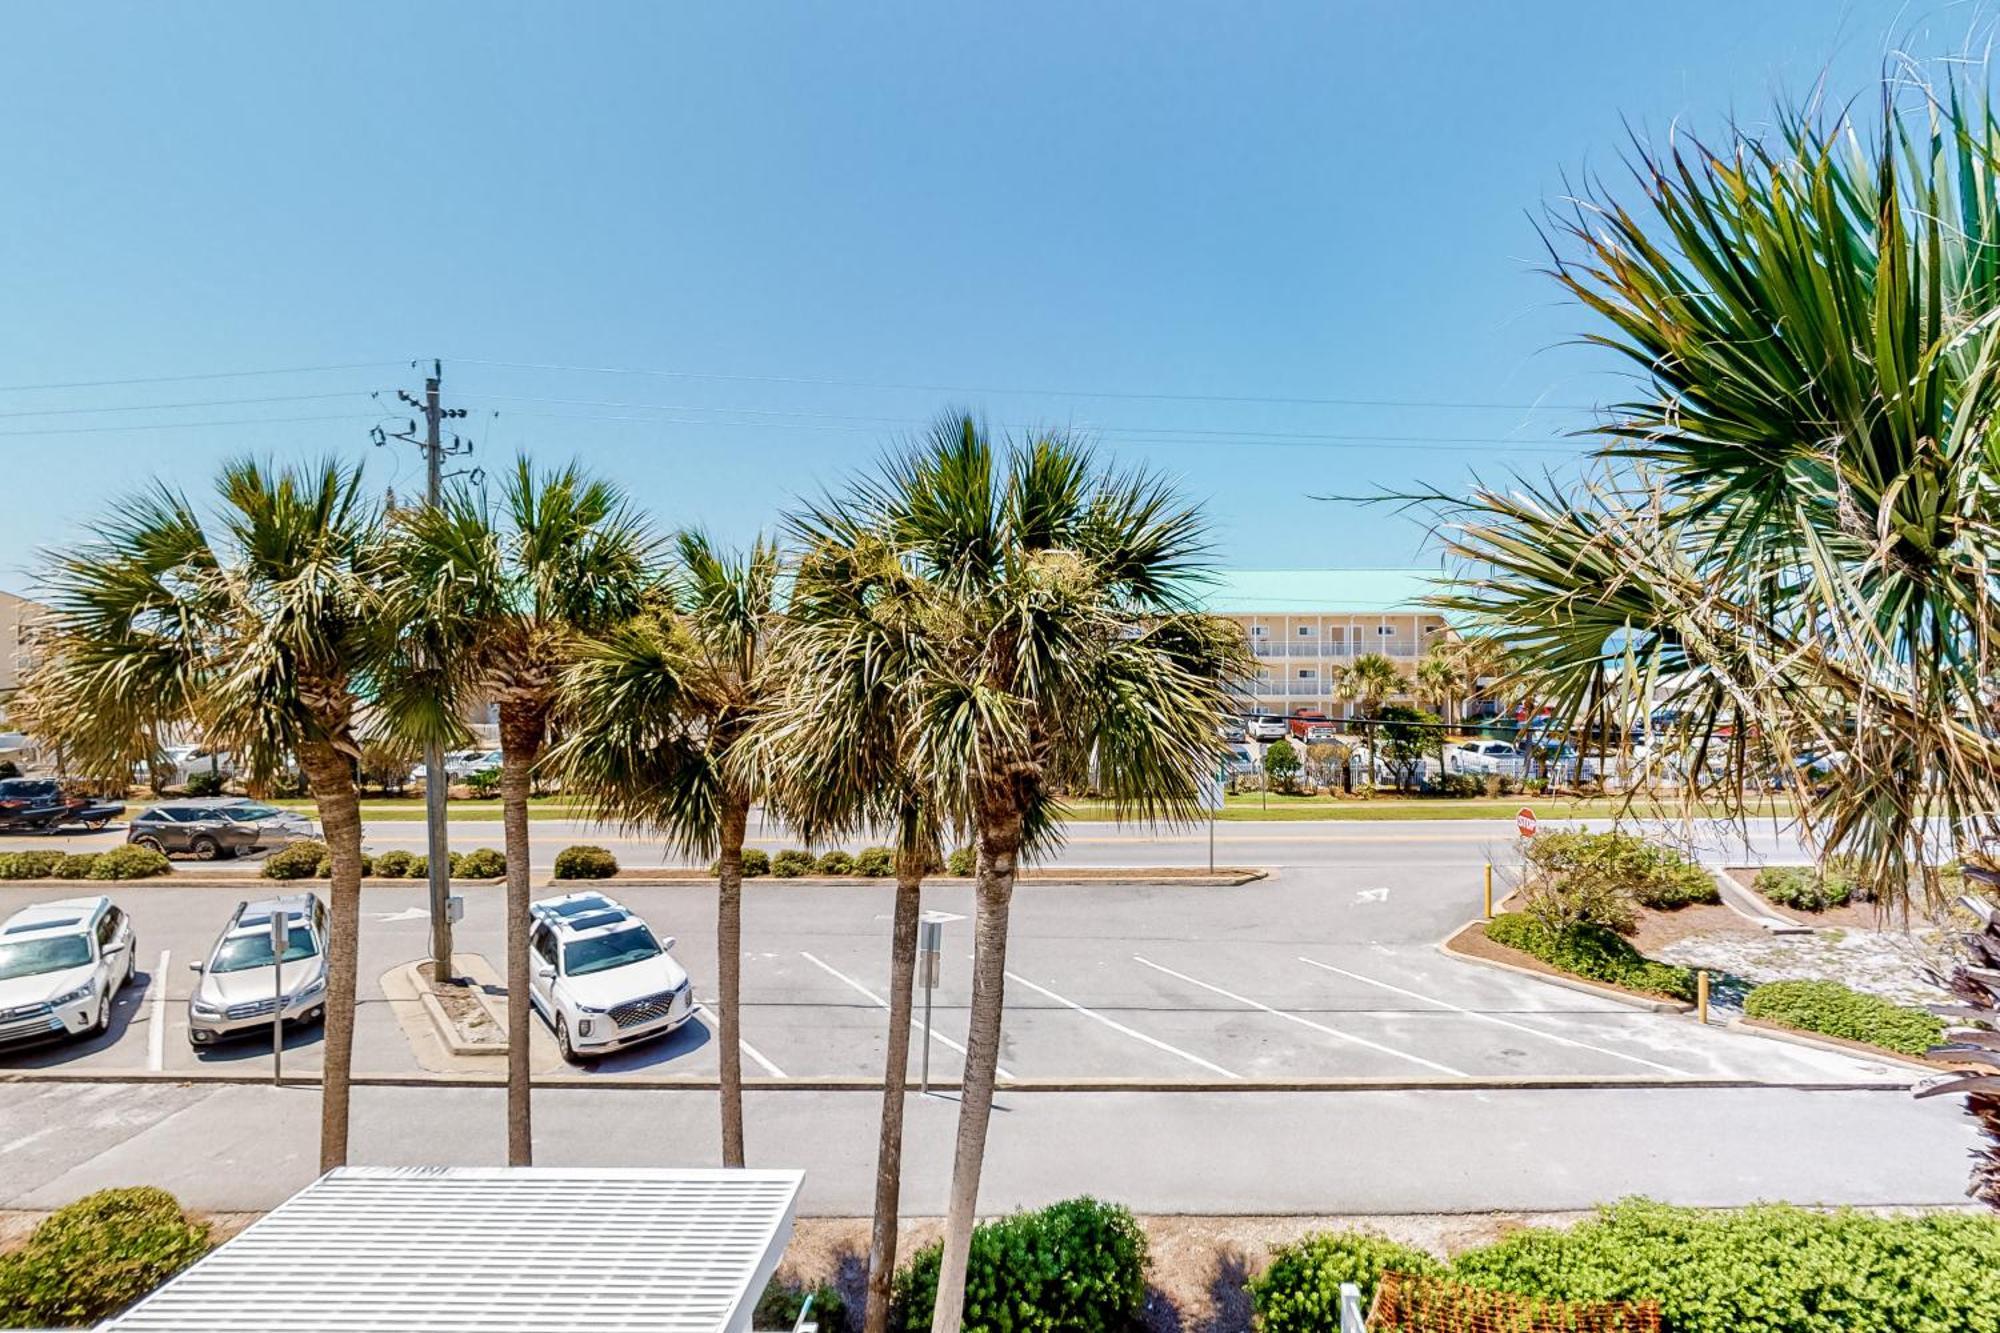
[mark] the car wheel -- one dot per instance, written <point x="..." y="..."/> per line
<point x="150" y="844"/>
<point x="131" y="962"/>
<point x="569" y="1054"/>
<point x="103" y="1023"/>
<point x="204" y="847"/>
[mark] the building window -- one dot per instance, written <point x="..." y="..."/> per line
<point x="1385" y="630"/>
<point x="1258" y="631"/>
<point x="1305" y="631"/>
<point x="1308" y="673"/>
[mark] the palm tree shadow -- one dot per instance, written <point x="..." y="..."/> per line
<point x="1228" y="1302"/>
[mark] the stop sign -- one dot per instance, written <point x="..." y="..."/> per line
<point x="1525" y="822"/>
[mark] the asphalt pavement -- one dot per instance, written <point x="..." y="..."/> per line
<point x="1213" y="1006"/>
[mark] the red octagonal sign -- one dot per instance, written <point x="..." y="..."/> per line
<point x="1525" y="821"/>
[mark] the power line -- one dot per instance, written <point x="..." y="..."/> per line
<point x="208" y="375"/>
<point x="181" y="425"/>
<point x="1044" y="393"/>
<point x="208" y="402"/>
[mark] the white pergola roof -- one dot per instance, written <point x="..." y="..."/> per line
<point x="456" y="1248"/>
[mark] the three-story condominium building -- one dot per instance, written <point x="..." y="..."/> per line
<point x="1306" y="625"/>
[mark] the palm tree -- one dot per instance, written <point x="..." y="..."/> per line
<point x="1050" y="622"/>
<point x="1368" y="680"/>
<point x="839" y="740"/>
<point x="1789" y="533"/>
<point x="500" y="602"/>
<point x="264" y="637"/>
<point x="1440" y="680"/>
<point x="655" y="716"/>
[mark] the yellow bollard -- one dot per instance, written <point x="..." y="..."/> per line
<point x="1489" y="890"/>
<point x="1701" y="995"/>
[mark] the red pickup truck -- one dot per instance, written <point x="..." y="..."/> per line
<point x="1304" y="720"/>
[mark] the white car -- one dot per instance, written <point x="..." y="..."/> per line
<point x="61" y="965"/>
<point x="1267" y="727"/>
<point x="1484" y="757"/>
<point x="461" y="764"/>
<point x="185" y="762"/>
<point x="600" y="978"/>
<point x="237" y="991"/>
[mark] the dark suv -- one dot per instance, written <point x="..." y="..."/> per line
<point x="30" y="805"/>
<point x="220" y="828"/>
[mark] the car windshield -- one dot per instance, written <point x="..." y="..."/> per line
<point x="634" y="944"/>
<point x="243" y="814"/>
<point x="28" y="958"/>
<point x="255" y="950"/>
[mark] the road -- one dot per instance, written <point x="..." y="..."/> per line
<point x="1326" y="971"/>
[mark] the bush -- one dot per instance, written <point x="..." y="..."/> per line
<point x="1460" y="785"/>
<point x="91" y="1259"/>
<point x="9" y="769"/>
<point x="964" y="862"/>
<point x="393" y="865"/>
<point x="791" y="863"/>
<point x="1835" y="1010"/>
<point x="204" y="783"/>
<point x="1766" y="1269"/>
<point x="484" y="785"/>
<point x="28" y="865"/>
<point x="585" y="862"/>
<point x="1591" y="952"/>
<point x="756" y="863"/>
<point x="835" y="862"/>
<point x="1079" y="1265"/>
<point x="130" y="862"/>
<point x="299" y="860"/>
<point x="782" y="1303"/>
<point x="480" y="863"/>
<point x="1805" y="888"/>
<point x="77" y="866"/>
<point x="1598" y="878"/>
<point x="875" y="862"/>
<point x="1300" y="1291"/>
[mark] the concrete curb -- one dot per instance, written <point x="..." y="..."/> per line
<point x="1161" y="878"/>
<point x="1568" y="983"/>
<point x="703" y="1083"/>
<point x="1752" y="907"/>
<point x="1820" y="1041"/>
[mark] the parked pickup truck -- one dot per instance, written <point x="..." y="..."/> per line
<point x="39" y="804"/>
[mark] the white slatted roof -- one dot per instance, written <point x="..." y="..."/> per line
<point x="529" y="1248"/>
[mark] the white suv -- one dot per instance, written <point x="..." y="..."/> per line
<point x="237" y="992"/>
<point x="600" y="978"/>
<point x="61" y="965"/>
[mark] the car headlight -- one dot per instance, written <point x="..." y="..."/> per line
<point x="589" y="1009"/>
<point x="82" y="992"/>
<point x="310" y="989"/>
<point x="206" y="1010"/>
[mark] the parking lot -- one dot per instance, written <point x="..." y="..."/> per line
<point x="1325" y="970"/>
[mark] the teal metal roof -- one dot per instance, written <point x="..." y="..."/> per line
<point x="1318" y="591"/>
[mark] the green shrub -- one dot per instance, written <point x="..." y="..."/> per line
<point x="1766" y="1269"/>
<point x="964" y="862"/>
<point x="484" y="785"/>
<point x="782" y="1303"/>
<point x="130" y="862"/>
<point x="875" y="862"/>
<point x="585" y="861"/>
<point x="75" y="866"/>
<point x="91" y="1259"/>
<point x="1598" y="878"/>
<point x="28" y="865"/>
<point x="204" y="784"/>
<point x="1836" y="1011"/>
<point x="1804" y="888"/>
<point x="791" y="863"/>
<point x="835" y="862"/>
<point x="480" y="863"/>
<point x="1591" y="952"/>
<point x="9" y="769"/>
<point x="1460" y="785"/>
<point x="299" y="860"/>
<point x="393" y="865"/>
<point x="1078" y="1266"/>
<point x="756" y="863"/>
<point x="1300" y="1291"/>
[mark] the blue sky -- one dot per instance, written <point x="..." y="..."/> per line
<point x="814" y="226"/>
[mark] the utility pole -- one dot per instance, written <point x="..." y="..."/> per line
<point x="437" y="845"/>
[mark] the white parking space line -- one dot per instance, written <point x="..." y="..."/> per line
<point x="713" y="1024"/>
<point x="881" y="1003"/>
<point x="1494" y="1019"/>
<point x="1116" y="1026"/>
<point x="156" y="1025"/>
<point x="1304" y="1022"/>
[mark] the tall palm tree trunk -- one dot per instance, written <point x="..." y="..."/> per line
<point x="522" y="726"/>
<point x="729" y="973"/>
<point x="910" y="868"/>
<point x="331" y="777"/>
<point x="999" y="847"/>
